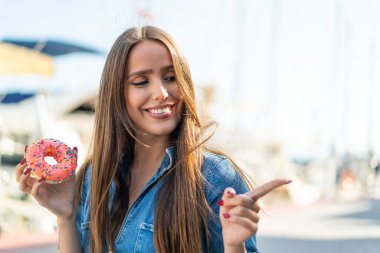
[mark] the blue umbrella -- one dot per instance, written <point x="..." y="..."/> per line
<point x="52" y="47"/>
<point x="14" y="98"/>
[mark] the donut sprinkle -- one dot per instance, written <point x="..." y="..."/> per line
<point x="52" y="160"/>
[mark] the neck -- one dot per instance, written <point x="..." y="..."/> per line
<point x="153" y="154"/>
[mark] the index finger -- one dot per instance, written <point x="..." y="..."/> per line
<point x="266" y="188"/>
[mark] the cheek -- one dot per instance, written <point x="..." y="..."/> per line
<point x="175" y="92"/>
<point x="133" y="99"/>
<point x="180" y="108"/>
<point x="127" y="101"/>
<point x="125" y="91"/>
<point x="131" y="106"/>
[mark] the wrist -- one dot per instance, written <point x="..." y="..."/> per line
<point x="69" y="219"/>
<point x="240" y="248"/>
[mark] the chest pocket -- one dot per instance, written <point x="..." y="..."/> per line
<point x="144" y="241"/>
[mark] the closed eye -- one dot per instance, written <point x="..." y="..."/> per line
<point x="139" y="83"/>
<point x="170" y="79"/>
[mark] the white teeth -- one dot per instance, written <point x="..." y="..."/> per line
<point x="161" y="110"/>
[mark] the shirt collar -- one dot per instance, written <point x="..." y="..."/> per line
<point x="167" y="162"/>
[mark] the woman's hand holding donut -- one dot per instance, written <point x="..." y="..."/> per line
<point x="58" y="198"/>
<point x="239" y="214"/>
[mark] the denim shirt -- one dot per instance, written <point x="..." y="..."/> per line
<point x="136" y="232"/>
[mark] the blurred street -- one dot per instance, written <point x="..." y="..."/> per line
<point x="352" y="227"/>
<point x="287" y="245"/>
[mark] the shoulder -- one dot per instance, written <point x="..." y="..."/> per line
<point x="218" y="166"/>
<point x="219" y="173"/>
<point x="86" y="187"/>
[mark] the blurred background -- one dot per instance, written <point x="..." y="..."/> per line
<point x="292" y="83"/>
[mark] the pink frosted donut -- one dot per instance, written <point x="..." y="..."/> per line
<point x="52" y="160"/>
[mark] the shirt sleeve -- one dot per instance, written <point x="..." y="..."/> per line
<point x="219" y="176"/>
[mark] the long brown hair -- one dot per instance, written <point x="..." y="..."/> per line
<point x="182" y="193"/>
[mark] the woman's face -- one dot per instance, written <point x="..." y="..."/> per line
<point x="151" y="92"/>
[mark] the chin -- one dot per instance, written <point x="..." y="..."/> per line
<point x="159" y="133"/>
<point x="160" y="130"/>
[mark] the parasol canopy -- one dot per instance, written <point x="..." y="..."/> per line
<point x="52" y="47"/>
<point x="16" y="60"/>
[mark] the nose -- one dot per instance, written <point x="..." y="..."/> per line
<point x="160" y="92"/>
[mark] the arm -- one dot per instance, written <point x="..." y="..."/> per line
<point x="68" y="237"/>
<point x="58" y="199"/>
<point x="220" y="175"/>
<point x="237" y="249"/>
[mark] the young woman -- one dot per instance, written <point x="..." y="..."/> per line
<point x="150" y="184"/>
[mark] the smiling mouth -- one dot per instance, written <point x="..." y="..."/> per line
<point x="160" y="113"/>
<point x="160" y="110"/>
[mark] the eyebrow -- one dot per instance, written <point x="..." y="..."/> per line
<point x="148" y="71"/>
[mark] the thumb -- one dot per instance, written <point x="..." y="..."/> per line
<point x="35" y="189"/>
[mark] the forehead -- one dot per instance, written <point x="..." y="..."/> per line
<point x="148" y="54"/>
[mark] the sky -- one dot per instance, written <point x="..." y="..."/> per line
<point x="303" y="73"/>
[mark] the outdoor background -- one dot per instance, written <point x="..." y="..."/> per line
<point x="293" y="84"/>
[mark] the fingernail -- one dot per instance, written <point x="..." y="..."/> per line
<point x="230" y="193"/>
<point x="26" y="147"/>
<point x="26" y="172"/>
<point x="226" y="215"/>
<point x="76" y="149"/>
<point x="220" y="202"/>
<point x="41" y="180"/>
<point x="23" y="161"/>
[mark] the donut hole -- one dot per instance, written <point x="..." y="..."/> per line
<point x="50" y="160"/>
